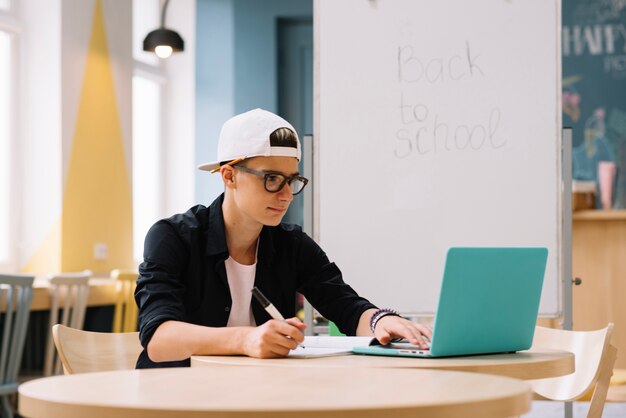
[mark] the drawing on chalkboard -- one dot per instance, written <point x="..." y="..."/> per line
<point x="593" y="90"/>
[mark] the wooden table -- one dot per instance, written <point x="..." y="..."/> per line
<point x="304" y="392"/>
<point x="535" y="364"/>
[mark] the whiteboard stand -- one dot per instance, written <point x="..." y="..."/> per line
<point x="567" y="230"/>
<point x="567" y="243"/>
<point x="307" y="168"/>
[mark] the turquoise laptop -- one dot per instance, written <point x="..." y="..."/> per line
<point x="489" y="302"/>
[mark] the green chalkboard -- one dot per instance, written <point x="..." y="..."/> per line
<point x="594" y="88"/>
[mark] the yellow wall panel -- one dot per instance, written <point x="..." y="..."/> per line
<point x="97" y="201"/>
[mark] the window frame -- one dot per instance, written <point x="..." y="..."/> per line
<point x="10" y="25"/>
<point x="159" y="80"/>
<point x="157" y="74"/>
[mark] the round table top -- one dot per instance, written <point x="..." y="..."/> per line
<point x="532" y="364"/>
<point x="274" y="391"/>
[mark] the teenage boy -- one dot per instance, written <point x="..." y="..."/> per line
<point x="194" y="289"/>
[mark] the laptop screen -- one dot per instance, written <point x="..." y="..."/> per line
<point x="489" y="300"/>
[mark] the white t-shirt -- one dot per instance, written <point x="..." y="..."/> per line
<point x="240" y="280"/>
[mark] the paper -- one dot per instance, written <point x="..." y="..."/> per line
<point x="316" y="346"/>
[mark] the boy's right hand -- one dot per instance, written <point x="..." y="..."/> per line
<point x="274" y="338"/>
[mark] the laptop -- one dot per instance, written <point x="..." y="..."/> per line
<point x="489" y="302"/>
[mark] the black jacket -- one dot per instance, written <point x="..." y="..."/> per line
<point x="183" y="276"/>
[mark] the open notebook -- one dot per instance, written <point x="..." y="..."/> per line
<point x="323" y="346"/>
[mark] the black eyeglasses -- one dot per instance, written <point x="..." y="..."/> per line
<point x="274" y="182"/>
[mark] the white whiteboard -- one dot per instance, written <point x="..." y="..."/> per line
<point x="437" y="124"/>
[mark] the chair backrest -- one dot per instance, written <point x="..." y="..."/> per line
<point x="125" y="315"/>
<point x="68" y="291"/>
<point x="15" y="299"/>
<point x="594" y="357"/>
<point x="85" y="351"/>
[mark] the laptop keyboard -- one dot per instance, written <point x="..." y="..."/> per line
<point x="405" y="345"/>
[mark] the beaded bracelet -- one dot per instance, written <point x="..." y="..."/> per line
<point x="380" y="314"/>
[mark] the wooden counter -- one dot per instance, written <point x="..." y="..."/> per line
<point x="599" y="259"/>
<point x="102" y="292"/>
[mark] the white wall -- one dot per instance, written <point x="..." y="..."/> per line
<point x="180" y="111"/>
<point x="55" y="38"/>
<point x="236" y="69"/>
<point x="215" y="88"/>
<point x="40" y="124"/>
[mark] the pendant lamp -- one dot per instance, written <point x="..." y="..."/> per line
<point x="163" y="41"/>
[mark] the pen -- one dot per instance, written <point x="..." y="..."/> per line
<point x="233" y="162"/>
<point x="267" y="305"/>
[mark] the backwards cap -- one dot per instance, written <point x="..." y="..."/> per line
<point x="247" y="135"/>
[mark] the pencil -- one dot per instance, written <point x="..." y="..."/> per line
<point x="233" y="162"/>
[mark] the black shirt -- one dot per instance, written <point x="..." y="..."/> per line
<point x="183" y="276"/>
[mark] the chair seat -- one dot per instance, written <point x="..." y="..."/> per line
<point x="614" y="393"/>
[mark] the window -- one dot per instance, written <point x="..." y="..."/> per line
<point x="146" y="159"/>
<point x="5" y="143"/>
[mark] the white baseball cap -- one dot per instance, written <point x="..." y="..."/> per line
<point x="247" y="135"/>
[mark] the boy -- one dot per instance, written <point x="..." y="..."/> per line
<point x="194" y="289"/>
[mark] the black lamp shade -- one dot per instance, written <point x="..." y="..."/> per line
<point x="163" y="36"/>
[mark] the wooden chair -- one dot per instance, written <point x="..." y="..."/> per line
<point x="73" y="290"/>
<point x="594" y="360"/>
<point x="125" y="316"/>
<point x="15" y="299"/>
<point x="85" y="351"/>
